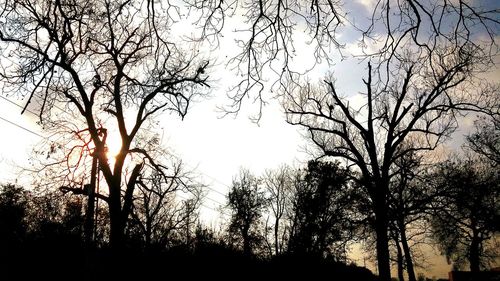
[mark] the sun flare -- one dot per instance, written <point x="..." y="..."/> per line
<point x="113" y="144"/>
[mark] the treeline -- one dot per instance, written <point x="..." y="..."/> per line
<point x="287" y="222"/>
<point x="42" y="235"/>
<point x="321" y="211"/>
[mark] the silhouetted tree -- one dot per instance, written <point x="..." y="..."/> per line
<point x="113" y="57"/>
<point x="246" y="201"/>
<point x="416" y="100"/>
<point x="273" y="31"/>
<point x="486" y="139"/>
<point x="13" y="210"/>
<point x="279" y="186"/>
<point x="102" y="61"/>
<point x="158" y="211"/>
<point x="467" y="215"/>
<point x="32" y="234"/>
<point x="54" y="217"/>
<point x="410" y="199"/>
<point x="321" y="212"/>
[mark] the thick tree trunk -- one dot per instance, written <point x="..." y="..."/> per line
<point x="116" y="229"/>
<point x="408" y="258"/>
<point x="474" y="253"/>
<point x="117" y="226"/>
<point x="383" y="261"/>
<point x="381" y="227"/>
<point x="247" y="250"/>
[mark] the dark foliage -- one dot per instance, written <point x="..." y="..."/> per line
<point x="467" y="215"/>
<point x="49" y="245"/>
<point x="246" y="202"/>
<point x="321" y="207"/>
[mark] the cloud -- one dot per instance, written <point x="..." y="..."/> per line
<point x="368" y="4"/>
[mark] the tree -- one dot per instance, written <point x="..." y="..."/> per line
<point x="321" y="209"/>
<point x="417" y="100"/>
<point x="114" y="63"/>
<point x="158" y="211"/>
<point x="486" y="139"/>
<point x="246" y="202"/>
<point x="13" y="210"/>
<point x="51" y="41"/>
<point x="467" y="214"/>
<point x="278" y="184"/>
<point x="410" y="200"/>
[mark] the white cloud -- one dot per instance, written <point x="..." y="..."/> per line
<point x="368" y="4"/>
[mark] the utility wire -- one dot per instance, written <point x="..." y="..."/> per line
<point x="24" y="128"/>
<point x="202" y="204"/>
<point x="43" y="137"/>
<point x="18" y="105"/>
<point x="46" y="138"/>
<point x="183" y="197"/>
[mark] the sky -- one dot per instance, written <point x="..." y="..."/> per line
<point x="214" y="147"/>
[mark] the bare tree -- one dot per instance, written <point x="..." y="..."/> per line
<point x="158" y="212"/>
<point x="278" y="184"/>
<point x="113" y="60"/>
<point x="113" y="57"/>
<point x="271" y="32"/>
<point x="410" y="200"/>
<point x="418" y="103"/>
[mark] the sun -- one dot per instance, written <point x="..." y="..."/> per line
<point x="113" y="143"/>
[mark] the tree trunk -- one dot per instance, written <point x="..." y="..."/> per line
<point x="474" y="252"/>
<point x="89" y="214"/>
<point x="247" y="251"/>
<point x="408" y="258"/>
<point x="381" y="227"/>
<point x="117" y="226"/>
<point x="148" y="233"/>
<point x="276" y="233"/>
<point x="400" y="261"/>
<point x="116" y="230"/>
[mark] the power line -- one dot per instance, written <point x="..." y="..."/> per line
<point x="214" y="179"/>
<point x="219" y="181"/>
<point x="27" y="109"/>
<point x="214" y="190"/>
<point x="18" y="105"/>
<point x="43" y="137"/>
<point x="46" y="138"/>
<point x="34" y="113"/>
<point x="213" y="200"/>
<point x="201" y="204"/>
<point x="24" y="128"/>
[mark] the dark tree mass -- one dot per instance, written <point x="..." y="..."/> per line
<point x="103" y="73"/>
